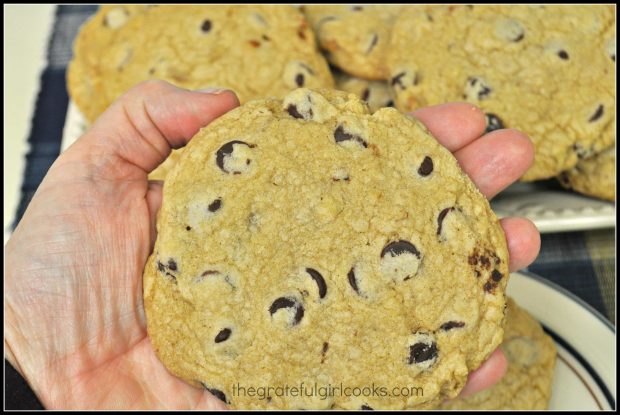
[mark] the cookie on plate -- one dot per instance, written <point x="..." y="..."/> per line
<point x="545" y="70"/>
<point x="595" y="176"/>
<point x="355" y="37"/>
<point x="256" y="50"/>
<point x="376" y="93"/>
<point x="531" y="361"/>
<point x="305" y="243"/>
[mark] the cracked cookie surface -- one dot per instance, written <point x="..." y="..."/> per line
<point x="306" y="240"/>
<point x="531" y="357"/>
<point x="545" y="70"/>
<point x="256" y="50"/>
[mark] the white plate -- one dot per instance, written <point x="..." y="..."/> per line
<point x="550" y="209"/>
<point x="553" y="209"/>
<point x="585" y="373"/>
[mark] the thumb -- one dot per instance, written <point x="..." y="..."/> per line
<point x="138" y="131"/>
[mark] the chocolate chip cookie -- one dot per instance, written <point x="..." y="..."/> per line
<point x="305" y="243"/>
<point x="531" y="361"/>
<point x="256" y="50"/>
<point x="354" y="37"/>
<point x="595" y="176"/>
<point x="545" y="70"/>
<point x="375" y="93"/>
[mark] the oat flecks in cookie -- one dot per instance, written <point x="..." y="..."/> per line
<point x="546" y="71"/>
<point x="324" y="258"/>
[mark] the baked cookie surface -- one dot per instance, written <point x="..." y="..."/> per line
<point x="258" y="51"/>
<point x="531" y="361"/>
<point x="545" y="70"/>
<point x="306" y="240"/>
<point x="595" y="176"/>
<point x="355" y="37"/>
<point x="376" y="93"/>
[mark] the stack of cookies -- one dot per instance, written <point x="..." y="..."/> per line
<point x="302" y="237"/>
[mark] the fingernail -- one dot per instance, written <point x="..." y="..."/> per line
<point x="212" y="90"/>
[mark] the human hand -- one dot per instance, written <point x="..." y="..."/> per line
<point x="75" y="325"/>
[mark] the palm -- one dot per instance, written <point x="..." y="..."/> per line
<point x="74" y="264"/>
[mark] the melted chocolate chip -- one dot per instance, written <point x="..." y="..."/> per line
<point x="441" y="217"/>
<point x="320" y="281"/>
<point x="489" y="286"/>
<point x="299" y="79"/>
<point x="286" y="302"/>
<point x="597" y="114"/>
<point x="188" y="228"/>
<point x="172" y="277"/>
<point x="400" y="247"/>
<point x="161" y="267"/>
<point x="215" y="205"/>
<point x="397" y="79"/>
<point x="366" y="94"/>
<point x="479" y="88"/>
<point x="449" y="325"/>
<point x="421" y="352"/>
<point x="206" y="26"/>
<point x="563" y="55"/>
<point x="390" y="103"/>
<point x="324" y="351"/>
<point x="496" y="275"/>
<point x="223" y="335"/>
<point x="373" y="43"/>
<point x="227" y="150"/>
<point x="172" y="266"/>
<point x="292" y="110"/>
<point x="365" y="407"/>
<point x="426" y="167"/>
<point x="493" y="123"/>
<point x="353" y="280"/>
<point x="340" y="135"/>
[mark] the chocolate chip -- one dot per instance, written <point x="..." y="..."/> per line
<point x="563" y="55"/>
<point x="299" y="79"/>
<point x="451" y="325"/>
<point x="477" y="89"/>
<point x="172" y="277"/>
<point x="373" y="43"/>
<point x="496" y="275"/>
<point x="216" y="392"/>
<point x="188" y="228"/>
<point x="518" y="37"/>
<point x="223" y="335"/>
<point x="340" y="135"/>
<point x="161" y="267"/>
<point x="357" y="8"/>
<point x="390" y="103"/>
<point x="397" y="79"/>
<point x="320" y="281"/>
<point x="227" y="150"/>
<point x="400" y="247"/>
<point x="353" y="280"/>
<point x="292" y="110"/>
<point x="422" y="352"/>
<point x="206" y="26"/>
<point x="324" y="351"/>
<point x="426" y="167"/>
<point x="287" y="302"/>
<point x="365" y="407"/>
<point x="172" y="266"/>
<point x="441" y="217"/>
<point x="366" y="94"/>
<point x="489" y="286"/>
<point x="597" y="114"/>
<point x="493" y="123"/>
<point x="215" y="205"/>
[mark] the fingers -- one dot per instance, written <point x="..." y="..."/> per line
<point x="523" y="242"/>
<point x="496" y="160"/>
<point x="143" y="125"/>
<point x="454" y="125"/>
<point x="487" y="375"/>
<point x="153" y="200"/>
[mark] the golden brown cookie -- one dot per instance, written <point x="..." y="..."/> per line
<point x="595" y="176"/>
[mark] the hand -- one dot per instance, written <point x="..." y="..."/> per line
<point x="74" y="322"/>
